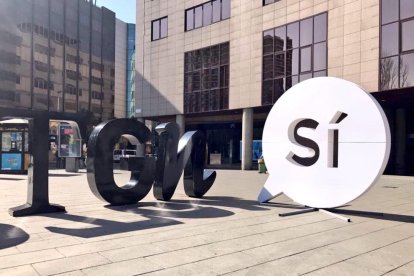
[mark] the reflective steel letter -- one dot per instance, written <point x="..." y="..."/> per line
<point x="173" y="155"/>
<point x="100" y="163"/>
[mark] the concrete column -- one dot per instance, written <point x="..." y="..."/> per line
<point x="401" y="141"/>
<point x="247" y="138"/>
<point x="180" y="120"/>
<point x="140" y="148"/>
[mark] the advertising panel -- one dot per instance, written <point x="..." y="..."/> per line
<point x="256" y="149"/>
<point x="11" y="161"/>
<point x="69" y="140"/>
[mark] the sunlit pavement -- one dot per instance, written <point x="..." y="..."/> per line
<point x="226" y="232"/>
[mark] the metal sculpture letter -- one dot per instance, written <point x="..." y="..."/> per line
<point x="173" y="155"/>
<point x="197" y="180"/>
<point x="38" y="181"/>
<point x="100" y="163"/>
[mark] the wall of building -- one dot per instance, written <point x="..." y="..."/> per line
<point x="353" y="47"/>
<point x="120" y="68"/>
<point x="130" y="93"/>
<point x="61" y="54"/>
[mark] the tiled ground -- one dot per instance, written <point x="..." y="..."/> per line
<point x="227" y="232"/>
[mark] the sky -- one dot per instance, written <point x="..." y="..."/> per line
<point x="124" y="9"/>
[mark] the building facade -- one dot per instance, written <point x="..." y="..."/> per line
<point x="124" y="70"/>
<point x="57" y="56"/>
<point x="130" y="70"/>
<point x="219" y="66"/>
<point x="120" y="68"/>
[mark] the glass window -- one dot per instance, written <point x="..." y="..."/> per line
<point x="279" y="39"/>
<point x="207" y="14"/>
<point x="304" y="77"/>
<point x="279" y="67"/>
<point x="197" y="60"/>
<point x="407" y="35"/>
<point x="215" y="77"/>
<point x="215" y="55"/>
<point x="189" y="25"/>
<point x="206" y="77"/>
<point x="292" y="62"/>
<point x="159" y="28"/>
<point x="267" y="2"/>
<point x="225" y="12"/>
<point x="196" y="81"/>
<point x="319" y="28"/>
<point x="292" y="40"/>
<point x="389" y="11"/>
<point x="319" y="74"/>
<point x="206" y="58"/>
<point x="305" y="59"/>
<point x="268" y="42"/>
<point x="187" y="103"/>
<point x="279" y="88"/>
<point x="389" y="40"/>
<point x="407" y="70"/>
<point x="164" y="27"/>
<point x="268" y="67"/>
<point x="216" y="11"/>
<point x="224" y="76"/>
<point x="188" y="80"/>
<point x="187" y="62"/>
<point x="156" y="30"/>
<point x="267" y="94"/>
<point x="224" y="98"/>
<point x="196" y="102"/>
<point x="319" y="56"/>
<point x="406" y="8"/>
<point x="205" y="101"/>
<point x="291" y="81"/>
<point x="214" y="100"/>
<point x="198" y="15"/>
<point x="224" y="53"/>
<point x="306" y="32"/>
<point x="389" y="73"/>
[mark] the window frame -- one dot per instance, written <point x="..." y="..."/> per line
<point x="202" y="5"/>
<point x="273" y="1"/>
<point x="159" y="20"/>
<point x="290" y="53"/>
<point x="209" y="91"/>
<point x="400" y="53"/>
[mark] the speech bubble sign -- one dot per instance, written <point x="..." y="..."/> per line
<point x="325" y="143"/>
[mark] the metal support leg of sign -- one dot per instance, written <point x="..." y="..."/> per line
<point x="310" y="209"/>
<point x="335" y="215"/>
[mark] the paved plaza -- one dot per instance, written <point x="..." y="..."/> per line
<point x="226" y="232"/>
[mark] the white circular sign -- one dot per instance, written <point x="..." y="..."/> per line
<point x="325" y="142"/>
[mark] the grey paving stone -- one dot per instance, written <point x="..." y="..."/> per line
<point x="225" y="232"/>
<point x="69" y="263"/>
<point x="19" y="271"/>
<point x="130" y="267"/>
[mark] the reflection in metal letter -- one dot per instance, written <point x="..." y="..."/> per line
<point x="173" y="157"/>
<point x="100" y="163"/>
<point x="197" y="180"/>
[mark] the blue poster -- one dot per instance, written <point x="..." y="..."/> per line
<point x="257" y="149"/>
<point x="11" y="161"/>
